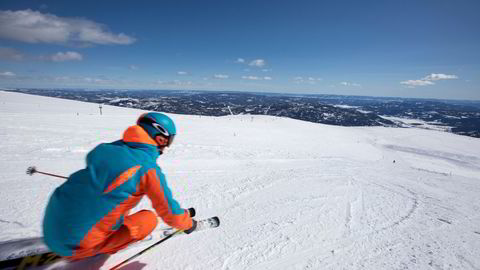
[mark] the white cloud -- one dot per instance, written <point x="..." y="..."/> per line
<point x="10" y="54"/>
<point x="413" y="83"/>
<point x="221" y="76"/>
<point x="251" y="78"/>
<point x="79" y="81"/>
<point x="183" y="83"/>
<point x="98" y="80"/>
<point x="350" y="84"/>
<point x="429" y="80"/>
<point x="308" y="80"/>
<point x="175" y="83"/>
<point x="178" y="82"/>
<point x="36" y="27"/>
<point x="439" y="76"/>
<point x="133" y="67"/>
<point x="66" y="56"/>
<point x="255" y="78"/>
<point x="257" y="63"/>
<point x="7" y="74"/>
<point x="182" y="73"/>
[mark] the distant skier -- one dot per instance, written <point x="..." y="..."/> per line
<point x="88" y="214"/>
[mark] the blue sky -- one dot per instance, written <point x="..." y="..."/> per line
<point x="427" y="49"/>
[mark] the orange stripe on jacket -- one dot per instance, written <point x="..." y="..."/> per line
<point x="151" y="185"/>
<point x="137" y="134"/>
<point x="122" y="178"/>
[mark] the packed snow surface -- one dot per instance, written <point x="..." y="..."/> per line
<point x="290" y="194"/>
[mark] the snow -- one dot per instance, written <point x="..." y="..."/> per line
<point x="116" y="100"/>
<point x="418" y="123"/>
<point x="363" y="111"/>
<point x="290" y="194"/>
<point x="344" y="106"/>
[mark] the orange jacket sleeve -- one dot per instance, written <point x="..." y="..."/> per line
<point x="155" y="186"/>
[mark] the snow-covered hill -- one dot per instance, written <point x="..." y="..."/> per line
<point x="290" y="194"/>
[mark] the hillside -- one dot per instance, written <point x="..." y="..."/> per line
<point x="290" y="194"/>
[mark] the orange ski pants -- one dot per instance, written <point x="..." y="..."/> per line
<point x="135" y="228"/>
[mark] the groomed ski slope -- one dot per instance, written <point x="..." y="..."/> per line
<point x="290" y="194"/>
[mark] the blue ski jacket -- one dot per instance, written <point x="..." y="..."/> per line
<point x="86" y="209"/>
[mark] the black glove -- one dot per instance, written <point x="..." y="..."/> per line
<point x="194" y="226"/>
<point x="191" y="212"/>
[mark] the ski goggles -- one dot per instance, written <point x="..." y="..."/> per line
<point x="170" y="140"/>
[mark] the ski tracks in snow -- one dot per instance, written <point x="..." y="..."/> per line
<point x="332" y="218"/>
<point x="313" y="228"/>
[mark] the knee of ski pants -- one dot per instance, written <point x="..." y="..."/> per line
<point x="141" y="224"/>
<point x="137" y="227"/>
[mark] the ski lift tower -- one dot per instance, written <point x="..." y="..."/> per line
<point x="230" y="110"/>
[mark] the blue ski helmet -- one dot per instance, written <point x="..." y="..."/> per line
<point x="155" y="124"/>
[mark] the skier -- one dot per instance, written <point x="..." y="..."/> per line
<point x="89" y="213"/>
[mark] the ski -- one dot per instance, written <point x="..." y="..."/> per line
<point x="39" y="255"/>
<point x="203" y="224"/>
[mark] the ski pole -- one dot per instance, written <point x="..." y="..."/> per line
<point x="31" y="170"/>
<point x="145" y="250"/>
